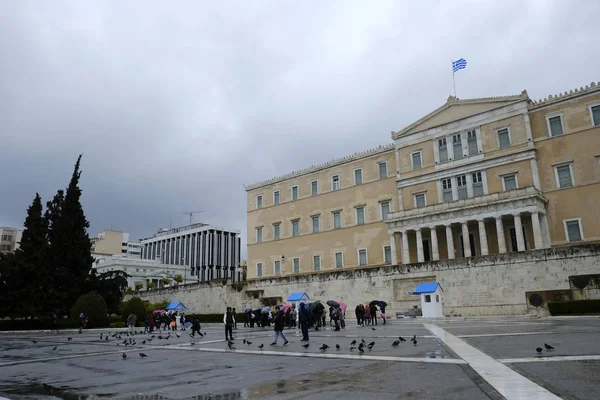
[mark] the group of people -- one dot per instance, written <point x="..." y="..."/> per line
<point x="366" y="314"/>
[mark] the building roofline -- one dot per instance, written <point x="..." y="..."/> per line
<point x="452" y="100"/>
<point x="318" y="167"/>
<point x="551" y="99"/>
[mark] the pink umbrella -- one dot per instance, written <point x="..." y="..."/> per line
<point x="286" y="306"/>
<point x="158" y="311"/>
<point x="343" y="306"/>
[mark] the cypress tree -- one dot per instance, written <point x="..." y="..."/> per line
<point x="76" y="251"/>
<point x="56" y="294"/>
<point x="32" y="261"/>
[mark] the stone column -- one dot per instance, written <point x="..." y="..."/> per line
<point x="393" y="248"/>
<point x="405" y="252"/>
<point x="500" y="234"/>
<point x="420" y="255"/>
<point x="435" y="252"/>
<point x="450" y="241"/>
<point x="519" y="233"/>
<point x="466" y="241"/>
<point x="545" y="230"/>
<point x="537" y="231"/>
<point x="483" y="238"/>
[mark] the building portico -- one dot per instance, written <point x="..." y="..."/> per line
<point x="489" y="224"/>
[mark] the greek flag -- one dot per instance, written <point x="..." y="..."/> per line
<point x="461" y="63"/>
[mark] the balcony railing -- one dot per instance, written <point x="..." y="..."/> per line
<point x="491" y="198"/>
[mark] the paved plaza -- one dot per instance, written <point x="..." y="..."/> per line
<point x="492" y="358"/>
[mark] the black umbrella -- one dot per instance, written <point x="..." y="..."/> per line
<point x="381" y="303"/>
<point x="332" y="303"/>
<point x="374" y="303"/>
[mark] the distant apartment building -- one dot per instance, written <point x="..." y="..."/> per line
<point x="115" y="243"/>
<point x="206" y="251"/>
<point x="473" y="177"/>
<point x="10" y="239"/>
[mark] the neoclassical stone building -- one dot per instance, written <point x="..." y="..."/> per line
<point x="473" y="177"/>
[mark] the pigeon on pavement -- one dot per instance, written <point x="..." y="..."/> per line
<point x="353" y="343"/>
<point x="337" y="346"/>
<point x="396" y="343"/>
<point x="143" y="355"/>
<point x="548" y="347"/>
<point x="539" y="350"/>
<point x="261" y="346"/>
<point x="306" y="345"/>
<point x="124" y="356"/>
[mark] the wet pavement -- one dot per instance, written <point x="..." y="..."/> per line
<point x="92" y="368"/>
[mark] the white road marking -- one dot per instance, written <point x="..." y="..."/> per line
<point x="507" y="382"/>
<point x="545" y="359"/>
<point x="505" y="334"/>
<point x="489" y="325"/>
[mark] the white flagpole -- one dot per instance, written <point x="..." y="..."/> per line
<point x="453" y="81"/>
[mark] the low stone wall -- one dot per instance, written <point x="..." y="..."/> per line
<point x="488" y="285"/>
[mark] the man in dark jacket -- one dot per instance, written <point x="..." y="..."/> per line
<point x="303" y="317"/>
<point x="229" y="320"/>
<point x="279" y="322"/>
<point x="196" y="327"/>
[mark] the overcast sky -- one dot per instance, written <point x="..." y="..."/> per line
<point x="177" y="105"/>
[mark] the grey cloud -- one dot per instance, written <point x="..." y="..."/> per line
<point x="175" y="107"/>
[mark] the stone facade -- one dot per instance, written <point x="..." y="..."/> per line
<point x="474" y="177"/>
<point x="488" y="285"/>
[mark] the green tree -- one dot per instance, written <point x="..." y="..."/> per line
<point x="70" y="246"/>
<point x="111" y="285"/>
<point x="94" y="307"/>
<point x="178" y="278"/>
<point x="136" y="305"/>
<point x="138" y="287"/>
<point x="56" y="293"/>
<point x="9" y="281"/>
<point x="30" y="285"/>
<point x="165" y="281"/>
<point x="150" y="285"/>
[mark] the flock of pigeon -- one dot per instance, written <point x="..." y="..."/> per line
<point x="361" y="346"/>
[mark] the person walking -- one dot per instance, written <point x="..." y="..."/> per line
<point x="131" y="320"/>
<point x="196" y="327"/>
<point x="303" y="317"/>
<point x="229" y="321"/>
<point x="234" y="321"/>
<point x="279" y="322"/>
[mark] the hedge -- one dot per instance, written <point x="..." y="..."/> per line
<point x="574" y="307"/>
<point x="117" y="325"/>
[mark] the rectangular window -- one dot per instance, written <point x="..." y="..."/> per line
<point x="503" y="138"/>
<point x="472" y="142"/>
<point x="259" y="271"/>
<point x="461" y="185"/>
<point x="362" y="257"/>
<point x="276" y="197"/>
<point x="564" y="176"/>
<point x="358" y="176"/>
<point x="509" y="182"/>
<point x="276" y="231"/>
<point x="339" y="260"/>
<point x="258" y="201"/>
<point x="335" y="182"/>
<point x="420" y="200"/>
<point x="385" y="210"/>
<point x="457" y="147"/>
<point x="427" y="298"/>
<point x="555" y="127"/>
<point x="316" y="263"/>
<point x="573" y="230"/>
<point x="360" y="216"/>
<point x="416" y="160"/>
<point x="383" y="170"/>
<point x="277" y="267"/>
<point x="337" y="220"/>
<point x="477" y="183"/>
<point x="315" y="224"/>
<point x="294" y="192"/>
<point x="296" y="262"/>
<point x="447" y="189"/>
<point x="443" y="150"/>
<point x="295" y="228"/>
<point x="387" y="254"/>
<point x="314" y="188"/>
<point x="595" y="111"/>
<point x="259" y="235"/>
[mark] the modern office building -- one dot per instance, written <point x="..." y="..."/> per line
<point x="142" y="272"/>
<point x="110" y="242"/>
<point x="206" y="251"/>
<point x="473" y="177"/>
<point x="10" y="239"/>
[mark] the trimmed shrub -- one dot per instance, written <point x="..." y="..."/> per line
<point x="574" y="307"/>
<point x="116" y="325"/>
<point x="136" y="305"/>
<point x="94" y="307"/>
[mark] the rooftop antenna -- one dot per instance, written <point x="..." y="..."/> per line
<point x="191" y="213"/>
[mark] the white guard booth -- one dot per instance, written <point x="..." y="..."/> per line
<point x="431" y="299"/>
